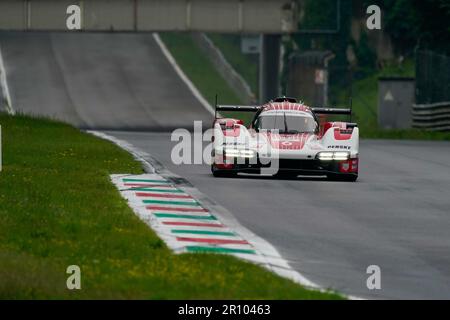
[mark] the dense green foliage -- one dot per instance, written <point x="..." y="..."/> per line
<point x="411" y="24"/>
<point x="417" y="24"/>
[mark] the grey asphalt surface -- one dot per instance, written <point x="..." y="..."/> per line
<point x="95" y="80"/>
<point x="397" y="216"/>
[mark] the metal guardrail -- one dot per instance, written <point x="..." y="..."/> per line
<point x="434" y="116"/>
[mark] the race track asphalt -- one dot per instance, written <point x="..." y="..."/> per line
<point x="95" y="80"/>
<point x="397" y="216"/>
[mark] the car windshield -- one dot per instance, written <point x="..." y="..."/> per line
<point x="286" y="123"/>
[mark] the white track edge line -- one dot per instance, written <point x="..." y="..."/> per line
<point x="182" y="75"/>
<point x="4" y="86"/>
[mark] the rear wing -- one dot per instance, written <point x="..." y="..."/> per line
<point x="338" y="111"/>
<point x="239" y="108"/>
<point x="255" y="108"/>
<point x="236" y="108"/>
<point x="332" y="111"/>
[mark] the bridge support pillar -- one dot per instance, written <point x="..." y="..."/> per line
<point x="269" y="67"/>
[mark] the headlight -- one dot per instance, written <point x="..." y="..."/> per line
<point x="239" y="153"/>
<point x="329" y="156"/>
<point x="231" y="152"/>
<point x="325" y="156"/>
<point x="341" y="156"/>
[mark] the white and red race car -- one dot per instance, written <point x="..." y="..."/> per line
<point x="286" y="138"/>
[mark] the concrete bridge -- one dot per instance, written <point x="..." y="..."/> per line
<point x="269" y="18"/>
<point x="246" y="16"/>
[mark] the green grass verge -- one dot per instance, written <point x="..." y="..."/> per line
<point x="198" y="68"/>
<point x="202" y="72"/>
<point x="246" y="65"/>
<point x="59" y="208"/>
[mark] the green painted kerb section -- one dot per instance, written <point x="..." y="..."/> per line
<point x="181" y="203"/>
<point x="199" y="249"/>
<point x="184" y="216"/>
<point x="156" y="190"/>
<point x="145" y="180"/>
<point x="216" y="233"/>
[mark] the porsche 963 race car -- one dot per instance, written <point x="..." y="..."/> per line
<point x="285" y="138"/>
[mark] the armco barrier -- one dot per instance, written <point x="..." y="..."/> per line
<point x="434" y="116"/>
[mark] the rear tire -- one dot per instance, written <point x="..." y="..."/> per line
<point x="222" y="173"/>
<point x="342" y="177"/>
<point x="286" y="175"/>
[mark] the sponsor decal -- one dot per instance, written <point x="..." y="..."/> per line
<point x="339" y="147"/>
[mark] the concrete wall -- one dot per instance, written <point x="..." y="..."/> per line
<point x="395" y="102"/>
<point x="249" y="16"/>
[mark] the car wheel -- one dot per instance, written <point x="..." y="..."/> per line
<point x="222" y="173"/>
<point x="343" y="177"/>
<point x="286" y="175"/>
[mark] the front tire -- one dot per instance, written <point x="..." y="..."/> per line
<point x="286" y="175"/>
<point x="342" y="177"/>
<point x="222" y="173"/>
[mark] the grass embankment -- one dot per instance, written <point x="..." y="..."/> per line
<point x="59" y="208"/>
<point x="365" y="107"/>
<point x="246" y="65"/>
<point x="200" y="70"/>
